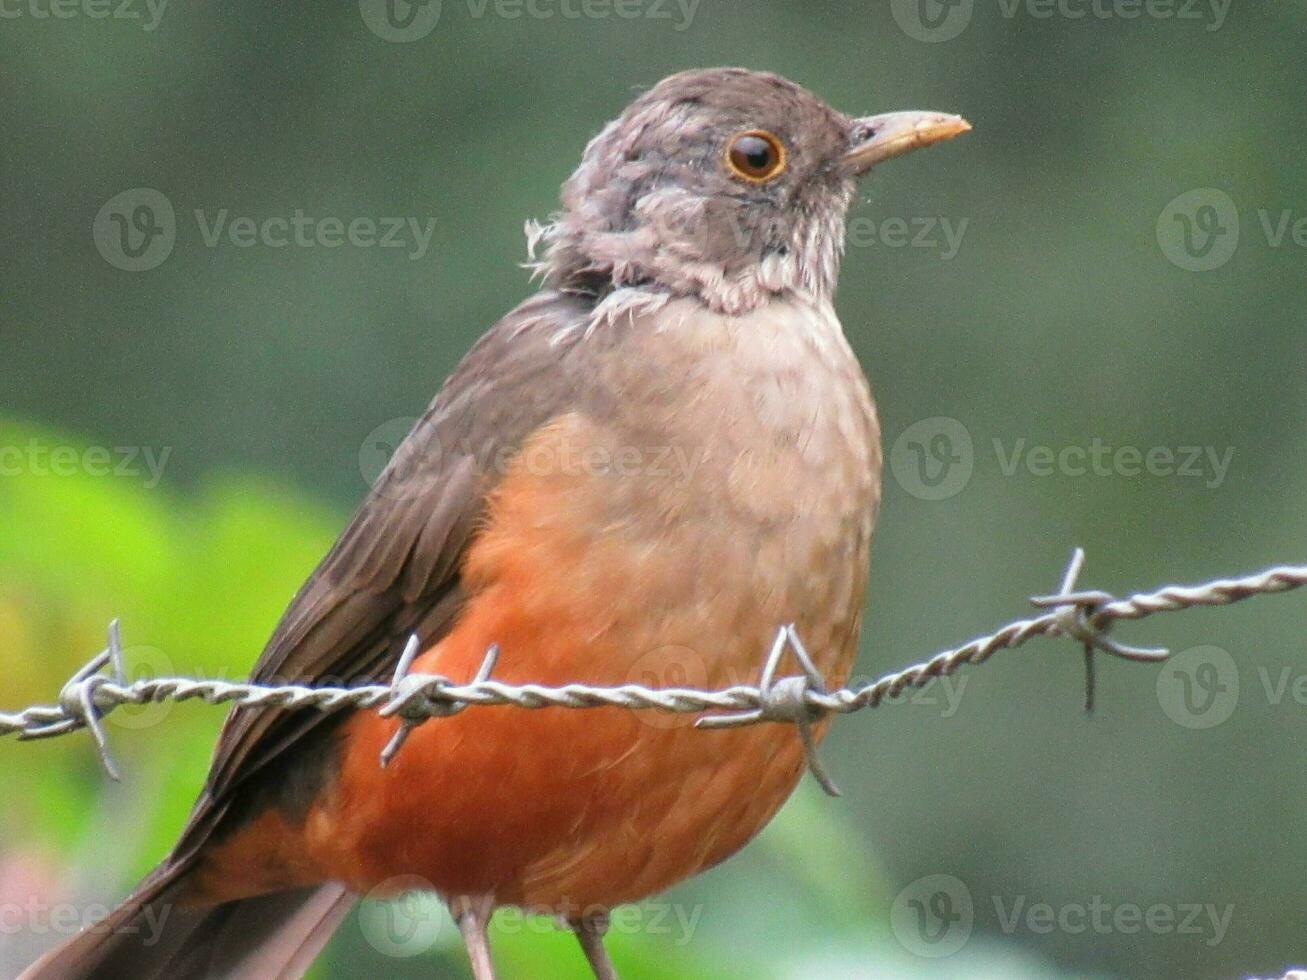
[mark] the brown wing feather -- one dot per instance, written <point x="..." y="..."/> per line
<point x="394" y="570"/>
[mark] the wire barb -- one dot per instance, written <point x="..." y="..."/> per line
<point x="1084" y="616"/>
<point x="78" y="697"/>
<point x="786" y="700"/>
<point x="418" y="697"/>
<point x="1075" y="616"/>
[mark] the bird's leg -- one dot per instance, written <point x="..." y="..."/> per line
<point x="590" y="931"/>
<point x="472" y="914"/>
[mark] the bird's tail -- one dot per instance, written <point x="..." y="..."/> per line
<point x="151" y="936"/>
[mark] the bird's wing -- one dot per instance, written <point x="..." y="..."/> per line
<point x="394" y="571"/>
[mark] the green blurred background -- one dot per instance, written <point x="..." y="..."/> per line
<point x="180" y="444"/>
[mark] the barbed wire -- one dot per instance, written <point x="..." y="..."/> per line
<point x="800" y="699"/>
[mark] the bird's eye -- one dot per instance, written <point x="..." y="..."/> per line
<point x="757" y="156"/>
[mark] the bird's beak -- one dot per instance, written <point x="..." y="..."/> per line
<point x="877" y="138"/>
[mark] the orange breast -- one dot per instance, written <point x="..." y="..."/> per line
<point x="564" y="808"/>
<point x="729" y="488"/>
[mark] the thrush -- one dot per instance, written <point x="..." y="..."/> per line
<point x="636" y="475"/>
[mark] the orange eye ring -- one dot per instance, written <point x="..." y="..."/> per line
<point x="756" y="156"/>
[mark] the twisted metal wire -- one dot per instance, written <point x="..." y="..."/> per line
<point x="1084" y="616"/>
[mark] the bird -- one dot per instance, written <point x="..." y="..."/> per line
<point x="635" y="476"/>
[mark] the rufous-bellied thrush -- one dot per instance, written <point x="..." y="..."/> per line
<point x="638" y="474"/>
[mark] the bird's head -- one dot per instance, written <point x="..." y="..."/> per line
<point x="726" y="184"/>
